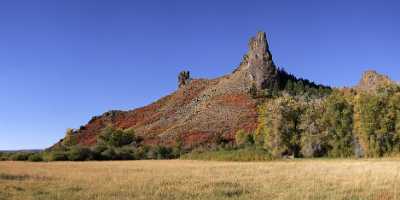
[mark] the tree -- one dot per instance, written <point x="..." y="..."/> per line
<point x="125" y="153"/>
<point x="163" y="152"/>
<point x="243" y="139"/>
<point x="395" y="109"/>
<point x="109" y="154"/>
<point x="77" y="153"/>
<point x="116" y="137"/>
<point x="36" y="157"/>
<point x="281" y="129"/>
<point x="20" y="156"/>
<point x="58" y="156"/>
<point x="368" y="117"/>
<point x="98" y="150"/>
<point x="70" y="138"/>
<point x="313" y="137"/>
<point x="377" y="119"/>
<point x="338" y="124"/>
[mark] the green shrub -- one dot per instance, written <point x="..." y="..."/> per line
<point x="151" y="154"/>
<point x="140" y="153"/>
<point x="97" y="151"/>
<point x="108" y="154"/>
<point x="116" y="137"/>
<point x="103" y="152"/>
<point x="58" y="156"/>
<point x="36" y="157"/>
<point x="20" y="156"/>
<point x="4" y="157"/>
<point x="70" y="138"/>
<point x="163" y="152"/>
<point x="125" y="153"/>
<point x="77" y="153"/>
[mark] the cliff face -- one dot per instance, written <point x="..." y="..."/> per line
<point x="258" y="61"/>
<point x="200" y="109"/>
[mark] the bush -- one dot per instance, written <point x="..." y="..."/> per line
<point x="58" y="156"/>
<point x="70" y="138"/>
<point x="4" y="157"/>
<point x="163" y="152"/>
<point x="108" y="154"/>
<point x="243" y="139"/>
<point x="140" y="153"/>
<point x="36" y="157"/>
<point x="150" y="154"/>
<point x="97" y="151"/>
<point x="116" y="137"/>
<point x="125" y="153"/>
<point x="20" y="156"/>
<point x="103" y="152"/>
<point x="77" y="153"/>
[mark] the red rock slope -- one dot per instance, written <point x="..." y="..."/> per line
<point x="200" y="109"/>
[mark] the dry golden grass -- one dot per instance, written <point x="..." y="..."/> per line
<point x="177" y="179"/>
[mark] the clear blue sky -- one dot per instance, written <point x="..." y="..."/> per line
<point x="61" y="62"/>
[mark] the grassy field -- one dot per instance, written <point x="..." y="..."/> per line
<point x="180" y="179"/>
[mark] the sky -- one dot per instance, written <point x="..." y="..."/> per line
<point x="64" y="61"/>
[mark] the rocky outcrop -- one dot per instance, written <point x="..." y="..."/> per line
<point x="183" y="78"/>
<point x="371" y="81"/>
<point x="258" y="61"/>
<point x="200" y="110"/>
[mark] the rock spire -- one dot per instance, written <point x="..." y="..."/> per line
<point x="258" y="61"/>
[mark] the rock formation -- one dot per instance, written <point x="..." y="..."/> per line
<point x="258" y="61"/>
<point x="200" y="109"/>
<point x="372" y="81"/>
<point x="183" y="78"/>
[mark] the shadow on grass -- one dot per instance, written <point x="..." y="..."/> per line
<point x="11" y="177"/>
<point x="14" y="177"/>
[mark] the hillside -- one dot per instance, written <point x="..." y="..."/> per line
<point x="200" y="109"/>
<point x="283" y="114"/>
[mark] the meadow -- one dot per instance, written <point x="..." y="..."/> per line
<point x="376" y="179"/>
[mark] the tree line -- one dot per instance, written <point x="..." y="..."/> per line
<point x="112" y="144"/>
<point x="345" y="123"/>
